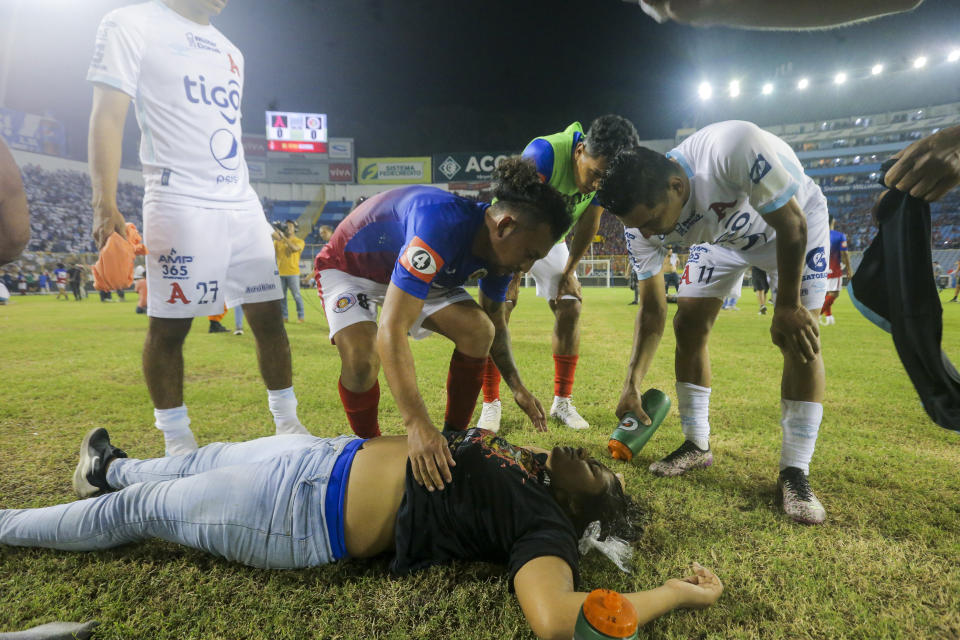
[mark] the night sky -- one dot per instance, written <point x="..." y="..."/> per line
<point x="416" y="77"/>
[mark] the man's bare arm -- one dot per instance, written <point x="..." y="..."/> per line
<point x="104" y="151"/>
<point x="583" y="234"/>
<point x="767" y="14"/>
<point x="647" y="332"/>
<point x="14" y="213"/>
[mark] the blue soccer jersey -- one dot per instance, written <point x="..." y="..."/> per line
<point x="416" y="238"/>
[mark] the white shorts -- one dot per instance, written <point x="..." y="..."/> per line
<point x="716" y="271"/>
<point x="547" y="271"/>
<point x="349" y="299"/>
<point x="203" y="259"/>
<point x="834" y="284"/>
<point x="61" y="286"/>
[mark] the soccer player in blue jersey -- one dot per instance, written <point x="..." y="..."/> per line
<point x="410" y="250"/>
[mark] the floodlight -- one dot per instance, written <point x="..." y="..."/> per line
<point x="920" y="62"/>
<point x="954" y="55"/>
<point x="803" y="84"/>
<point x="705" y="91"/>
<point x="876" y="69"/>
<point x="734" y="88"/>
<point x="840" y="78"/>
<point x="767" y="89"/>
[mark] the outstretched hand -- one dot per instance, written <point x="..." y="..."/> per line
<point x="699" y="590"/>
<point x="532" y="407"/>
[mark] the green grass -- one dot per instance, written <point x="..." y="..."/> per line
<point x="884" y="566"/>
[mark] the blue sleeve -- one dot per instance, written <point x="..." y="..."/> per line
<point x="433" y="237"/>
<point x="495" y="287"/>
<point x="541" y="152"/>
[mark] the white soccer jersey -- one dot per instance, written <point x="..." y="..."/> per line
<point x="738" y="173"/>
<point x="186" y="81"/>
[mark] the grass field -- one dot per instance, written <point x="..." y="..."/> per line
<point x="886" y="564"/>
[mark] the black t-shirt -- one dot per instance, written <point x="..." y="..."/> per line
<point x="497" y="509"/>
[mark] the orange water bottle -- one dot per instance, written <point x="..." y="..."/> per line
<point x="606" y="615"/>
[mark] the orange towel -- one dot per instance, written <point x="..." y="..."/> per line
<point x="114" y="267"/>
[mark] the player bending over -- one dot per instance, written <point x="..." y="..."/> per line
<point x="410" y="250"/>
<point x="14" y="213"/>
<point x="742" y="191"/>
<point x="572" y="163"/>
<point x="202" y="221"/>
<point x="289" y="502"/>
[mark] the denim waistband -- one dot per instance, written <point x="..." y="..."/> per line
<point x="336" y="493"/>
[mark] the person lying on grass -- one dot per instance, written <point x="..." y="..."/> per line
<point x="295" y="501"/>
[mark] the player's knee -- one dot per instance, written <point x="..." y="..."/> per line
<point x="360" y="366"/>
<point x="690" y="329"/>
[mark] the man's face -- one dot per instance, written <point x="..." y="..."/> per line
<point x="660" y="219"/>
<point x="588" y="170"/>
<point x="290" y="228"/>
<point x="574" y="471"/>
<point x="517" y="248"/>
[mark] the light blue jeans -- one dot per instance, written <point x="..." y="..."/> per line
<point x="260" y="503"/>
<point x="293" y="284"/>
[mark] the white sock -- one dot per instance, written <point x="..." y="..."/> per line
<point x="175" y="424"/>
<point x="800" y="422"/>
<point x="283" y="406"/>
<point x="693" y="402"/>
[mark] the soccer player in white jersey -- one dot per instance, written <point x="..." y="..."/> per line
<point x="208" y="239"/>
<point x="741" y="191"/>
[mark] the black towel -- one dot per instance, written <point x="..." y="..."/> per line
<point x="894" y="288"/>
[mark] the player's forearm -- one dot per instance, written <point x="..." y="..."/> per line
<point x="791" y="244"/>
<point x="502" y="353"/>
<point x="583" y="235"/>
<point x="398" y="367"/>
<point x="797" y="14"/>
<point x="559" y="619"/>
<point x="104" y="152"/>
<point x="648" y="330"/>
<point x="846" y="263"/>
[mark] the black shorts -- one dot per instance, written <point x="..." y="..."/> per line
<point x="759" y="278"/>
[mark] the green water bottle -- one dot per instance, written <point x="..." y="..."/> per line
<point x="606" y="615"/>
<point x="631" y="434"/>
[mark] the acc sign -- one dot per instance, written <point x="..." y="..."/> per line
<point x="466" y="167"/>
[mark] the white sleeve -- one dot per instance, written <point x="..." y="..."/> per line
<point x="116" y="55"/>
<point x="646" y="257"/>
<point x="748" y="158"/>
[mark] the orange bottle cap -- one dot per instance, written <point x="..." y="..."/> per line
<point x="619" y="450"/>
<point x="610" y="613"/>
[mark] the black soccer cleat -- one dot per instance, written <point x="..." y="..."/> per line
<point x="216" y="327"/>
<point x="96" y="452"/>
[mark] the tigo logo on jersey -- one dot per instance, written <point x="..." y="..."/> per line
<point x="759" y="169"/>
<point x="421" y="260"/>
<point x="817" y="259"/>
<point x="344" y="302"/>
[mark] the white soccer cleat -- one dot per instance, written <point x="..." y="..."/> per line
<point x="490" y="416"/>
<point x="564" y="411"/>
<point x="799" y="501"/>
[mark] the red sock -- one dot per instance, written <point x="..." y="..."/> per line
<point x="563" y="370"/>
<point x="361" y="409"/>
<point x="828" y="305"/>
<point x="491" y="382"/>
<point x="463" y="386"/>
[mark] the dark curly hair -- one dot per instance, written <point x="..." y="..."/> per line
<point x="609" y="135"/>
<point x="618" y="513"/>
<point x="636" y="176"/>
<point x="517" y="184"/>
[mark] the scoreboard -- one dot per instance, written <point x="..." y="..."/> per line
<point x="296" y="132"/>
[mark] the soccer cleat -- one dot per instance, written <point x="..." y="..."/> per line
<point x="564" y="411"/>
<point x="827" y="320"/>
<point x="686" y="457"/>
<point x="799" y="502"/>
<point x="490" y="416"/>
<point x="96" y="452"/>
<point x="238" y="332"/>
<point x="763" y="310"/>
<point x="216" y="327"/>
